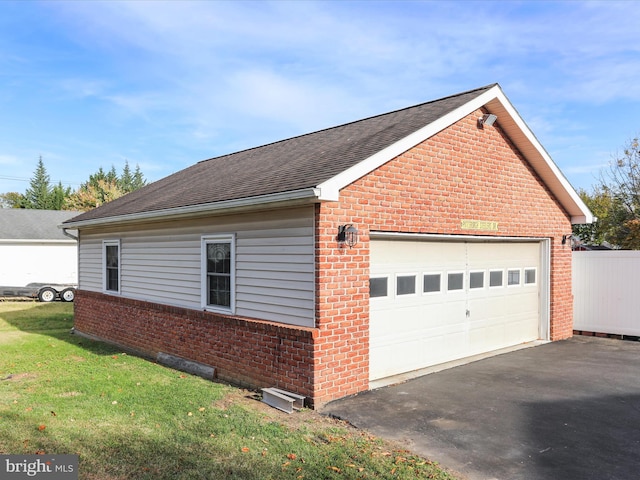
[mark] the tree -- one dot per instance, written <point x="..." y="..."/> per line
<point x="38" y="195"/>
<point x="138" y="179"/>
<point x="615" y="201"/>
<point x="129" y="182"/>
<point x="93" y="194"/>
<point x="599" y="202"/>
<point x="58" y="196"/>
<point x="125" y="182"/>
<point x="11" y="200"/>
<point x="102" y="187"/>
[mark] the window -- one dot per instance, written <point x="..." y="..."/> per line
<point x="378" y="287"/>
<point x="495" y="278"/>
<point x="405" y="284"/>
<point x="455" y="281"/>
<point x="111" y="262"/>
<point x="219" y="272"/>
<point x="513" y="277"/>
<point x="529" y="276"/>
<point x="476" y="280"/>
<point x="431" y="283"/>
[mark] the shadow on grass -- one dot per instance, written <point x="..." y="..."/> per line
<point x="54" y="320"/>
<point x="38" y="317"/>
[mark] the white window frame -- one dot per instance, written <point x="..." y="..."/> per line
<point x="520" y="279"/>
<point x="105" y="244"/>
<point x="503" y="277"/>
<point x="439" y="291"/>
<point x="220" y="238"/>
<point x="484" y="280"/>
<point x="381" y="297"/>
<point x="457" y="290"/>
<point x="524" y="277"/>
<point x="416" y="284"/>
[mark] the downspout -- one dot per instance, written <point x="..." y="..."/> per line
<point x="67" y="234"/>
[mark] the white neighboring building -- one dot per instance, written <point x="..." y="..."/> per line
<point x="34" y="250"/>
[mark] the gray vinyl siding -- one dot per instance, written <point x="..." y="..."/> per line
<point x="90" y="263"/>
<point x="275" y="274"/>
<point x="275" y="270"/>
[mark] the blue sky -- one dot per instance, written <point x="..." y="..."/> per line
<point x="88" y="84"/>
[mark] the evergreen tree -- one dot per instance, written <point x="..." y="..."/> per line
<point x="138" y="179"/>
<point x="38" y="195"/>
<point x="112" y="176"/>
<point x="125" y="181"/>
<point x="58" y="196"/>
<point x="96" y="178"/>
<point x="102" y="187"/>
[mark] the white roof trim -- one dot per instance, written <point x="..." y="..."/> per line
<point x="35" y="241"/>
<point x="304" y="196"/>
<point x="509" y="120"/>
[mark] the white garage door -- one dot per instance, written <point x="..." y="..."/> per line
<point x="438" y="301"/>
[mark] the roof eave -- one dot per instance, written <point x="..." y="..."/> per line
<point x="291" y="198"/>
<point x="39" y="241"/>
<point x="495" y="101"/>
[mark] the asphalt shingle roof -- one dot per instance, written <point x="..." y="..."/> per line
<point x="288" y="165"/>
<point x="28" y="224"/>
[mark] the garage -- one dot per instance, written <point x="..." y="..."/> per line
<point x="439" y="299"/>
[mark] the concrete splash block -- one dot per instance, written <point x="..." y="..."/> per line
<point x="195" y="368"/>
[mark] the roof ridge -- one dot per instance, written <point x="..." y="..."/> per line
<point x="326" y="129"/>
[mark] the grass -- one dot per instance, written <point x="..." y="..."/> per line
<point x="128" y="418"/>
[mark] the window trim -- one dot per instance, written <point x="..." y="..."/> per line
<point x="229" y="238"/>
<point x="416" y="280"/>
<point x="432" y="292"/>
<point x="105" y="244"/>
<point x="387" y="294"/>
<point x="514" y="285"/>
<point x="484" y="280"/>
<point x="524" y="276"/>
<point x="457" y="290"/>
<point x="502" y="278"/>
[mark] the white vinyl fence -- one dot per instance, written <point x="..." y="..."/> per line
<point x="606" y="292"/>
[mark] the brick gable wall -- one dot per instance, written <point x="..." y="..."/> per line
<point x="461" y="173"/>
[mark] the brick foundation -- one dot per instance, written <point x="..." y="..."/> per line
<point x="248" y="353"/>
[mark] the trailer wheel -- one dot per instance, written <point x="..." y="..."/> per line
<point x="47" y="294"/>
<point x="68" y="294"/>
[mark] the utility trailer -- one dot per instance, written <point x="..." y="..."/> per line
<point x="44" y="292"/>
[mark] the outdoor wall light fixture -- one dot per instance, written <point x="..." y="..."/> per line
<point x="566" y="237"/>
<point x="487" y="119"/>
<point x="347" y="234"/>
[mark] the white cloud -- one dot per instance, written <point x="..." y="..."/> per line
<point x="206" y="77"/>
<point x="9" y="160"/>
<point x="83" y="88"/>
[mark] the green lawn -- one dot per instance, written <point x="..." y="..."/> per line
<point x="128" y="418"/>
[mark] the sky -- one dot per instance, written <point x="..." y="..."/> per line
<point x="163" y="85"/>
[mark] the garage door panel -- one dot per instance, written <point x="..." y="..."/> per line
<point x="409" y="332"/>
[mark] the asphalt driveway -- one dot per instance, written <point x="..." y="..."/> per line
<point x="567" y="410"/>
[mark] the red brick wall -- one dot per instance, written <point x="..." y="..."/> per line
<point x="246" y="352"/>
<point x="461" y="173"/>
